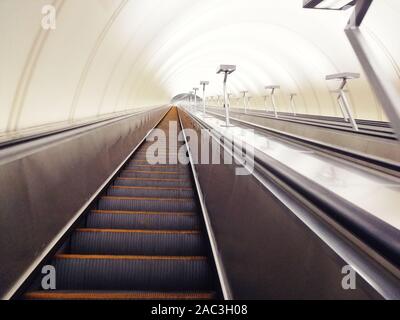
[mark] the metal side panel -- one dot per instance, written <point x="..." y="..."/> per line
<point x="375" y="147"/>
<point x="224" y="284"/>
<point x="45" y="183"/>
<point x="266" y="250"/>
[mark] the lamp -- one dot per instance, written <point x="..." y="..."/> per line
<point x="342" y="98"/>
<point x="273" y="88"/>
<point x="226" y="69"/>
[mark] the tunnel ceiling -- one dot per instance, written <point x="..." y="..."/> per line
<point x="111" y="55"/>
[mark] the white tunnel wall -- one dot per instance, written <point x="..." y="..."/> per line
<point x="111" y="55"/>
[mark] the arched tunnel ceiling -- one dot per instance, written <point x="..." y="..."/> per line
<point x="110" y="55"/>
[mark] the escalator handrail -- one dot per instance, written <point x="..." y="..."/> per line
<point x="377" y="234"/>
<point x="70" y="128"/>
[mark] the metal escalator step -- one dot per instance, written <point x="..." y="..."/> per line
<point x="137" y="242"/>
<point x="138" y="161"/>
<point x="151" y="152"/>
<point x="164" y="192"/>
<point x="165" y="162"/>
<point x="102" y="272"/>
<point x="149" y="182"/>
<point x="123" y="295"/>
<point x="154" y="174"/>
<point x="161" y="157"/>
<point x="147" y="204"/>
<point x="158" y="167"/>
<point x="143" y="220"/>
<point x="150" y="143"/>
<point x="160" y="154"/>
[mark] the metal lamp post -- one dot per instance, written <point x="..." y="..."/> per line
<point x="195" y="98"/>
<point x="385" y="91"/>
<point x="226" y="70"/>
<point x="244" y="93"/>
<point x="204" y="84"/>
<point x="273" y="88"/>
<point x="342" y="97"/>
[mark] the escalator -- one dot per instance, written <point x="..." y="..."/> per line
<point x="144" y="238"/>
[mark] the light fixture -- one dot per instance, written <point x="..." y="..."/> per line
<point x="226" y="69"/>
<point x="328" y="4"/>
<point x="245" y="100"/>
<point x="342" y="98"/>
<point x="204" y="84"/>
<point x="195" y="98"/>
<point x="273" y="88"/>
<point x="343" y="76"/>
<point x="385" y="90"/>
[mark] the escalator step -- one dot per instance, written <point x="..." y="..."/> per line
<point x="165" y="168"/>
<point x="147" y="204"/>
<point x="149" y="182"/>
<point x="112" y="295"/>
<point x="143" y="220"/>
<point x="93" y="272"/>
<point x="163" y="157"/>
<point x="167" y="162"/>
<point x="137" y="242"/>
<point x="150" y="143"/>
<point x="154" y="174"/>
<point x="163" y="192"/>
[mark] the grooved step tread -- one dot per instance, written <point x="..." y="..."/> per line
<point x="144" y="212"/>
<point x="155" y="172"/>
<point x="138" y="231"/>
<point x="160" y="153"/>
<point x="147" y="199"/>
<point x="51" y="295"/>
<point x="151" y="188"/>
<point x="160" y="166"/>
<point x="151" y="179"/>
<point x="119" y="257"/>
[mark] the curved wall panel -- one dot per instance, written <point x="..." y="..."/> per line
<point x="111" y="55"/>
